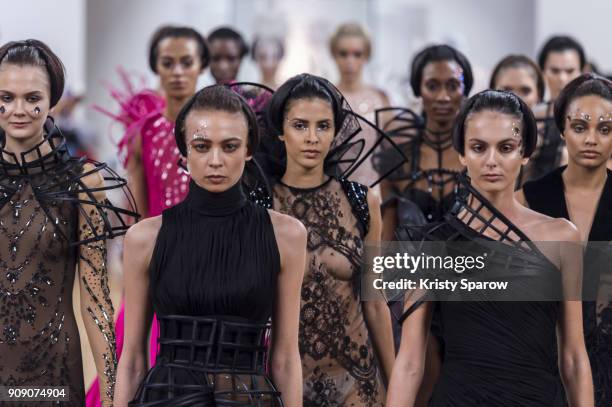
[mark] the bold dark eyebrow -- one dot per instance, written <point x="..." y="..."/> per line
<point x="206" y="139"/>
<point x="506" y="140"/>
<point x="577" y="119"/>
<point x="31" y="93"/>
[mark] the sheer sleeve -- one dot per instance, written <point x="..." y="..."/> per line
<point x="99" y="220"/>
<point x="96" y="306"/>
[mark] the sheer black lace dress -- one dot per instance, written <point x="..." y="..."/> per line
<point x="54" y="219"/>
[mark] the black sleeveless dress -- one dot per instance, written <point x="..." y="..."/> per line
<point x="497" y="353"/>
<point x="213" y="278"/>
<point x="546" y="195"/>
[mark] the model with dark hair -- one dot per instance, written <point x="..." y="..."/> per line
<point x="218" y="268"/>
<point x="54" y="220"/>
<point x="227" y="50"/>
<point x="499" y="353"/>
<point x="582" y="192"/>
<point x="520" y="75"/>
<point x="561" y="60"/>
<point x="423" y="189"/>
<point x="345" y="343"/>
<point x="351" y="48"/>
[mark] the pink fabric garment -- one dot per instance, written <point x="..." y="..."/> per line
<point x="167" y="184"/>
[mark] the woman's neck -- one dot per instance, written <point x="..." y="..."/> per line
<point x="504" y="201"/>
<point x="579" y="177"/>
<point x="269" y="80"/>
<point x="438" y="128"/>
<point x="350" y="85"/>
<point x="173" y="107"/>
<point x="19" y="146"/>
<point x="301" y="178"/>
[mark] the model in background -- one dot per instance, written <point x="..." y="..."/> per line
<point x="582" y="193"/>
<point x="219" y="267"/>
<point x="351" y="48"/>
<point x="339" y="333"/>
<point x="227" y="50"/>
<point x="500" y="353"/>
<point x="520" y="75"/>
<point x="268" y="52"/>
<point x="561" y="60"/>
<point x="54" y="220"/>
<point x="422" y="190"/>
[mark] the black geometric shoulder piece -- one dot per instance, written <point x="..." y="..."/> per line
<point x="405" y="129"/>
<point x="399" y="121"/>
<point x="357" y="195"/>
<point x="104" y="220"/>
<point x="254" y="178"/>
<point x="472" y="219"/>
<point x="57" y="177"/>
<point x="367" y="143"/>
<point x="475" y="212"/>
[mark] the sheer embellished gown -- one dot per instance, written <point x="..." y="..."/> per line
<point x="213" y="278"/>
<point x="338" y="362"/>
<point x="54" y="220"/>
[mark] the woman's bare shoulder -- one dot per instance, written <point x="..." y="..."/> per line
<point x="142" y="235"/>
<point x="286" y="228"/>
<point x="540" y="227"/>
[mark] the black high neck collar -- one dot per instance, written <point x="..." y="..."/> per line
<point x="216" y="203"/>
<point x="36" y="160"/>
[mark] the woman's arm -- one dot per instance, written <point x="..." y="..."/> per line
<point x="410" y="362"/>
<point x="574" y="362"/>
<point x="286" y="366"/>
<point x="389" y="213"/>
<point x="136" y="177"/>
<point x="376" y="312"/>
<point x="137" y="250"/>
<point x="95" y="303"/>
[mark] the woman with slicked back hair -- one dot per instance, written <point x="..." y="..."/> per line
<point x="218" y="268"/>
<point x="500" y="346"/>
